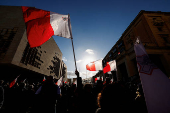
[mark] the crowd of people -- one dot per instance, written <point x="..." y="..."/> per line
<point x="47" y="97"/>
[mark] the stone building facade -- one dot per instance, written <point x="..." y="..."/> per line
<point x="153" y="28"/>
<point x="16" y="56"/>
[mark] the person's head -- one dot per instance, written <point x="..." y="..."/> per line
<point x="112" y="97"/>
<point x="1" y="82"/>
<point x="99" y="82"/>
<point x="88" y="88"/>
<point x="49" y="79"/>
<point x="107" y="80"/>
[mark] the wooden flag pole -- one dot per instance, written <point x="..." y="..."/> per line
<point x="69" y="23"/>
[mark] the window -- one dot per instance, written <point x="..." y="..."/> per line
<point x="114" y="50"/>
<point x="120" y="44"/>
<point x="121" y="50"/>
<point x="29" y="55"/>
<point x="158" y="21"/>
<point x="165" y="37"/>
<point x="6" y="37"/>
<point x="115" y="55"/>
<point x="159" y="28"/>
<point x="110" y="55"/>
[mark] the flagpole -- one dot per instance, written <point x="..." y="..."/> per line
<point x="72" y="40"/>
<point x="86" y="73"/>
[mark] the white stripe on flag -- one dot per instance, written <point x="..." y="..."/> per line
<point x="156" y="85"/>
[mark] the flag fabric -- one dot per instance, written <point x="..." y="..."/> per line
<point x="24" y="81"/>
<point x="13" y="82"/>
<point x="44" y="79"/>
<point x="111" y="66"/>
<point x="98" y="78"/>
<point x="56" y="83"/>
<point x="109" y="72"/>
<point x="111" y="80"/>
<point x="156" y="85"/>
<point x="95" y="80"/>
<point x="39" y="90"/>
<point x="95" y="66"/>
<point x="60" y="82"/>
<point x="41" y="25"/>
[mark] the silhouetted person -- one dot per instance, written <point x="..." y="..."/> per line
<point x="88" y="101"/>
<point x="113" y="98"/>
<point x="47" y="97"/>
<point x="97" y="88"/>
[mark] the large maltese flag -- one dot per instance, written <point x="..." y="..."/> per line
<point x="41" y="25"/>
<point x="156" y="85"/>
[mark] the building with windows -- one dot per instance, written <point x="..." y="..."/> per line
<point x="16" y="56"/>
<point x="153" y="28"/>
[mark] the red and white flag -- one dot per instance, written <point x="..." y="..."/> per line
<point x="44" y="79"/>
<point x="41" y="25"/>
<point x="95" y="66"/>
<point x="13" y="82"/>
<point x="156" y="85"/>
<point x="111" y="66"/>
<point x="60" y="82"/>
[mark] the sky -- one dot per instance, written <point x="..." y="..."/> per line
<point x="96" y="25"/>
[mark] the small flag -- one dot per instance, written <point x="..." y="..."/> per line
<point x="156" y="85"/>
<point x="95" y="66"/>
<point x="111" y="66"/>
<point x="44" y="79"/>
<point x="56" y="83"/>
<point x="41" y="25"/>
<point x="95" y="80"/>
<point x="13" y="82"/>
<point x="60" y="82"/>
<point x="39" y="90"/>
<point x="98" y="78"/>
<point x="24" y="81"/>
<point x="111" y="80"/>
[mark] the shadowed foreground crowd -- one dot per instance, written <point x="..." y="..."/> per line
<point x="46" y="97"/>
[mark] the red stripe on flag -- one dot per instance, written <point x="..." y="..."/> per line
<point x="107" y="68"/>
<point x="12" y="83"/>
<point x="93" y="68"/>
<point x="87" y="67"/>
<point x="39" y="29"/>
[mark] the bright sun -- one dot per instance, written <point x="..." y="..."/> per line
<point x="87" y="60"/>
